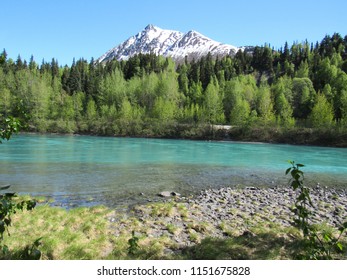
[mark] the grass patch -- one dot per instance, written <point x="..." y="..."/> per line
<point x="165" y="230"/>
<point x="165" y="209"/>
<point x="267" y="241"/>
<point x="76" y="234"/>
<point x="263" y="246"/>
<point x="173" y="229"/>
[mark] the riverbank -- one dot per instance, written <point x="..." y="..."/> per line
<point x="230" y="212"/>
<point x="225" y="223"/>
<point x="324" y="137"/>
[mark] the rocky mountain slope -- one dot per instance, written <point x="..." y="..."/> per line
<point x="169" y="43"/>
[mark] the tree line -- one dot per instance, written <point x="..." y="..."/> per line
<point x="299" y="86"/>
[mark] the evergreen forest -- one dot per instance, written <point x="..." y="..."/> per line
<point x="297" y="94"/>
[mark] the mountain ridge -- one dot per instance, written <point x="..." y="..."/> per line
<point x="169" y="43"/>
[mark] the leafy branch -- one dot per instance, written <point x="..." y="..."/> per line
<point x="10" y="125"/>
<point x="133" y="244"/>
<point x="318" y="245"/>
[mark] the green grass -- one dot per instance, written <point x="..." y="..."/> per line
<point x="76" y="234"/>
<point x="88" y="233"/>
<point x="162" y="209"/>
<point x="173" y="229"/>
<point x="264" y="246"/>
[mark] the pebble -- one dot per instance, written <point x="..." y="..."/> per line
<point x="278" y="200"/>
<point x="238" y="206"/>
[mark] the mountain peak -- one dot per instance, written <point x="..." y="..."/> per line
<point x="150" y="27"/>
<point x="168" y="43"/>
<point x="194" y="33"/>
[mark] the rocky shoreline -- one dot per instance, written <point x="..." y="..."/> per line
<point x="272" y="204"/>
<point x="227" y="212"/>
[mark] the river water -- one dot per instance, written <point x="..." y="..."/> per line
<point x="87" y="170"/>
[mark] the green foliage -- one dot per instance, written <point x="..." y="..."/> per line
<point x="9" y="126"/>
<point x="213" y="107"/>
<point x="303" y="97"/>
<point x="240" y="112"/>
<point x="318" y="244"/>
<point x="303" y="200"/>
<point x="133" y="244"/>
<point x="149" y="95"/>
<point x="264" y="105"/>
<point x="322" y="114"/>
<point x="303" y="70"/>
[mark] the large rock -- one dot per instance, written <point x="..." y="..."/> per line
<point x="168" y="194"/>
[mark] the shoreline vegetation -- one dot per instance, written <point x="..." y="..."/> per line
<point x="328" y="137"/>
<point x="294" y="95"/>
<point x="228" y="223"/>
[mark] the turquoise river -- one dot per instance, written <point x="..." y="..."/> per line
<point x="87" y="170"/>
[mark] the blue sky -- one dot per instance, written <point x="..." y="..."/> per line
<point x="65" y="29"/>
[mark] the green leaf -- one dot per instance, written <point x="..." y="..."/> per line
<point x="30" y="204"/>
<point x="35" y="254"/>
<point x="2" y="228"/>
<point x="300" y="165"/>
<point x="301" y="197"/>
<point x="5" y="250"/>
<point x="37" y="242"/>
<point x="295" y="185"/>
<point x="288" y="170"/>
<point x="339" y="246"/>
<point x="327" y="237"/>
<point x="10" y="195"/>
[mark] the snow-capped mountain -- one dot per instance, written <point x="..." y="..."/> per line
<point x="168" y="43"/>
